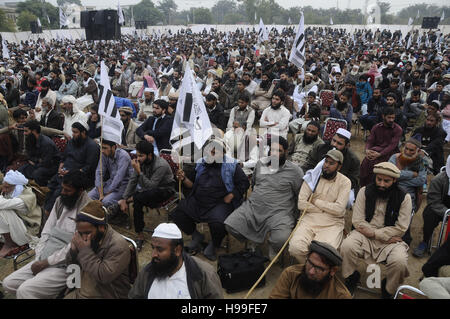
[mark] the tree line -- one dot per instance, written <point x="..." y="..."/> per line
<point x="165" y="12"/>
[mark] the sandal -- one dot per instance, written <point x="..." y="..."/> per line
<point x="16" y="251"/>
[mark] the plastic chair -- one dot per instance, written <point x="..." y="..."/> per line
<point x="402" y="295"/>
<point x="331" y="127"/>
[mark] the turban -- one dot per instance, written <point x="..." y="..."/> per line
<point x="15" y="178"/>
<point x="387" y="168"/>
<point x="69" y="99"/>
<point x="81" y="126"/>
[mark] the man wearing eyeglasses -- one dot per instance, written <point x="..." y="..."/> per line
<point x="314" y="280"/>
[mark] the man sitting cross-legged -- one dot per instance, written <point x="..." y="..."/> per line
<point x="45" y="277"/>
<point x="103" y="255"/>
<point x="20" y="217"/>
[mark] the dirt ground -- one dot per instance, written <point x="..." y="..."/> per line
<point x="153" y="218"/>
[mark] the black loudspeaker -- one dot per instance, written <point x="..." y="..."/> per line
<point x="101" y="25"/>
<point x="35" y="28"/>
<point x="141" y="25"/>
<point x="430" y="22"/>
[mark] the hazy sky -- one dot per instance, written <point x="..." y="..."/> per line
<point x="186" y="4"/>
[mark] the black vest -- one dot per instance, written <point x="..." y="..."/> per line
<point x="395" y="200"/>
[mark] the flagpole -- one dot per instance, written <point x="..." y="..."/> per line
<point x="180" y="165"/>
<point x="282" y="248"/>
<point x="101" y="158"/>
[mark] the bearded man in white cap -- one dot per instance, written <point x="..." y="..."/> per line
<point x="173" y="274"/>
<point x="72" y="113"/>
<point x="20" y="217"/>
<point x="301" y="91"/>
<point x="146" y="104"/>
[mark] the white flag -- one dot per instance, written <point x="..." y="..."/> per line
<point x="410" y="21"/>
<point x="289" y="21"/>
<point x="48" y="19"/>
<point x="297" y="56"/>
<point x="313" y="175"/>
<point x="120" y="13"/>
<point x="5" y="51"/>
<point x="39" y="23"/>
<point x="331" y="20"/>
<point x="187" y="16"/>
<point x="263" y="34"/>
<point x="409" y="42"/>
<point x="443" y="15"/>
<point x="62" y="18"/>
<point x="255" y="16"/>
<point x="190" y="115"/>
<point x="418" y="14"/>
<point x="112" y="125"/>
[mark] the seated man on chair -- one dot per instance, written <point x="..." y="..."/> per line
<point x="316" y="279"/>
<point x="45" y="277"/>
<point x="270" y="207"/>
<point x="381" y="217"/>
<point x="150" y="184"/>
<point x="438" y="201"/>
<point x="102" y="254"/>
<point x="42" y="153"/>
<point x="324" y="219"/>
<point x="20" y="217"/>
<point x="413" y="173"/>
<point x="304" y="143"/>
<point x="218" y="187"/>
<point x="115" y="170"/>
<point x="173" y="274"/>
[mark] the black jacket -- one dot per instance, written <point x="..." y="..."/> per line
<point x="44" y="154"/>
<point x="55" y="120"/>
<point x="216" y="116"/>
<point x="85" y="158"/>
<point x="162" y="131"/>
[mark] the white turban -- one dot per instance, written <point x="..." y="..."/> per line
<point x="16" y="178"/>
<point x="152" y="90"/>
<point x="69" y="99"/>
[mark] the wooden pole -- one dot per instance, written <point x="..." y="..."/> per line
<point x="180" y="164"/>
<point x="281" y="250"/>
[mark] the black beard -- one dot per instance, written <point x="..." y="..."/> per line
<point x="95" y="242"/>
<point x="68" y="81"/>
<point x="30" y="142"/>
<point x="329" y="176"/>
<point x="264" y="84"/>
<point x="148" y="101"/>
<point x="309" y="139"/>
<point x="43" y="93"/>
<point x="163" y="269"/>
<point x="164" y="84"/>
<point x="275" y="107"/>
<point x="246" y="82"/>
<point x="281" y="161"/>
<point x="69" y="201"/>
<point x="384" y="194"/>
<point x="312" y="287"/>
<point x="78" y="142"/>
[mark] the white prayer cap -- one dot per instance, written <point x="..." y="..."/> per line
<point x="69" y="99"/>
<point x="168" y="231"/>
<point x="10" y="71"/>
<point x="390" y="63"/>
<point x="117" y="70"/>
<point x="15" y="178"/>
<point x="152" y="90"/>
<point x="344" y="132"/>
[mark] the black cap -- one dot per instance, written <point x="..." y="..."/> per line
<point x="327" y="251"/>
